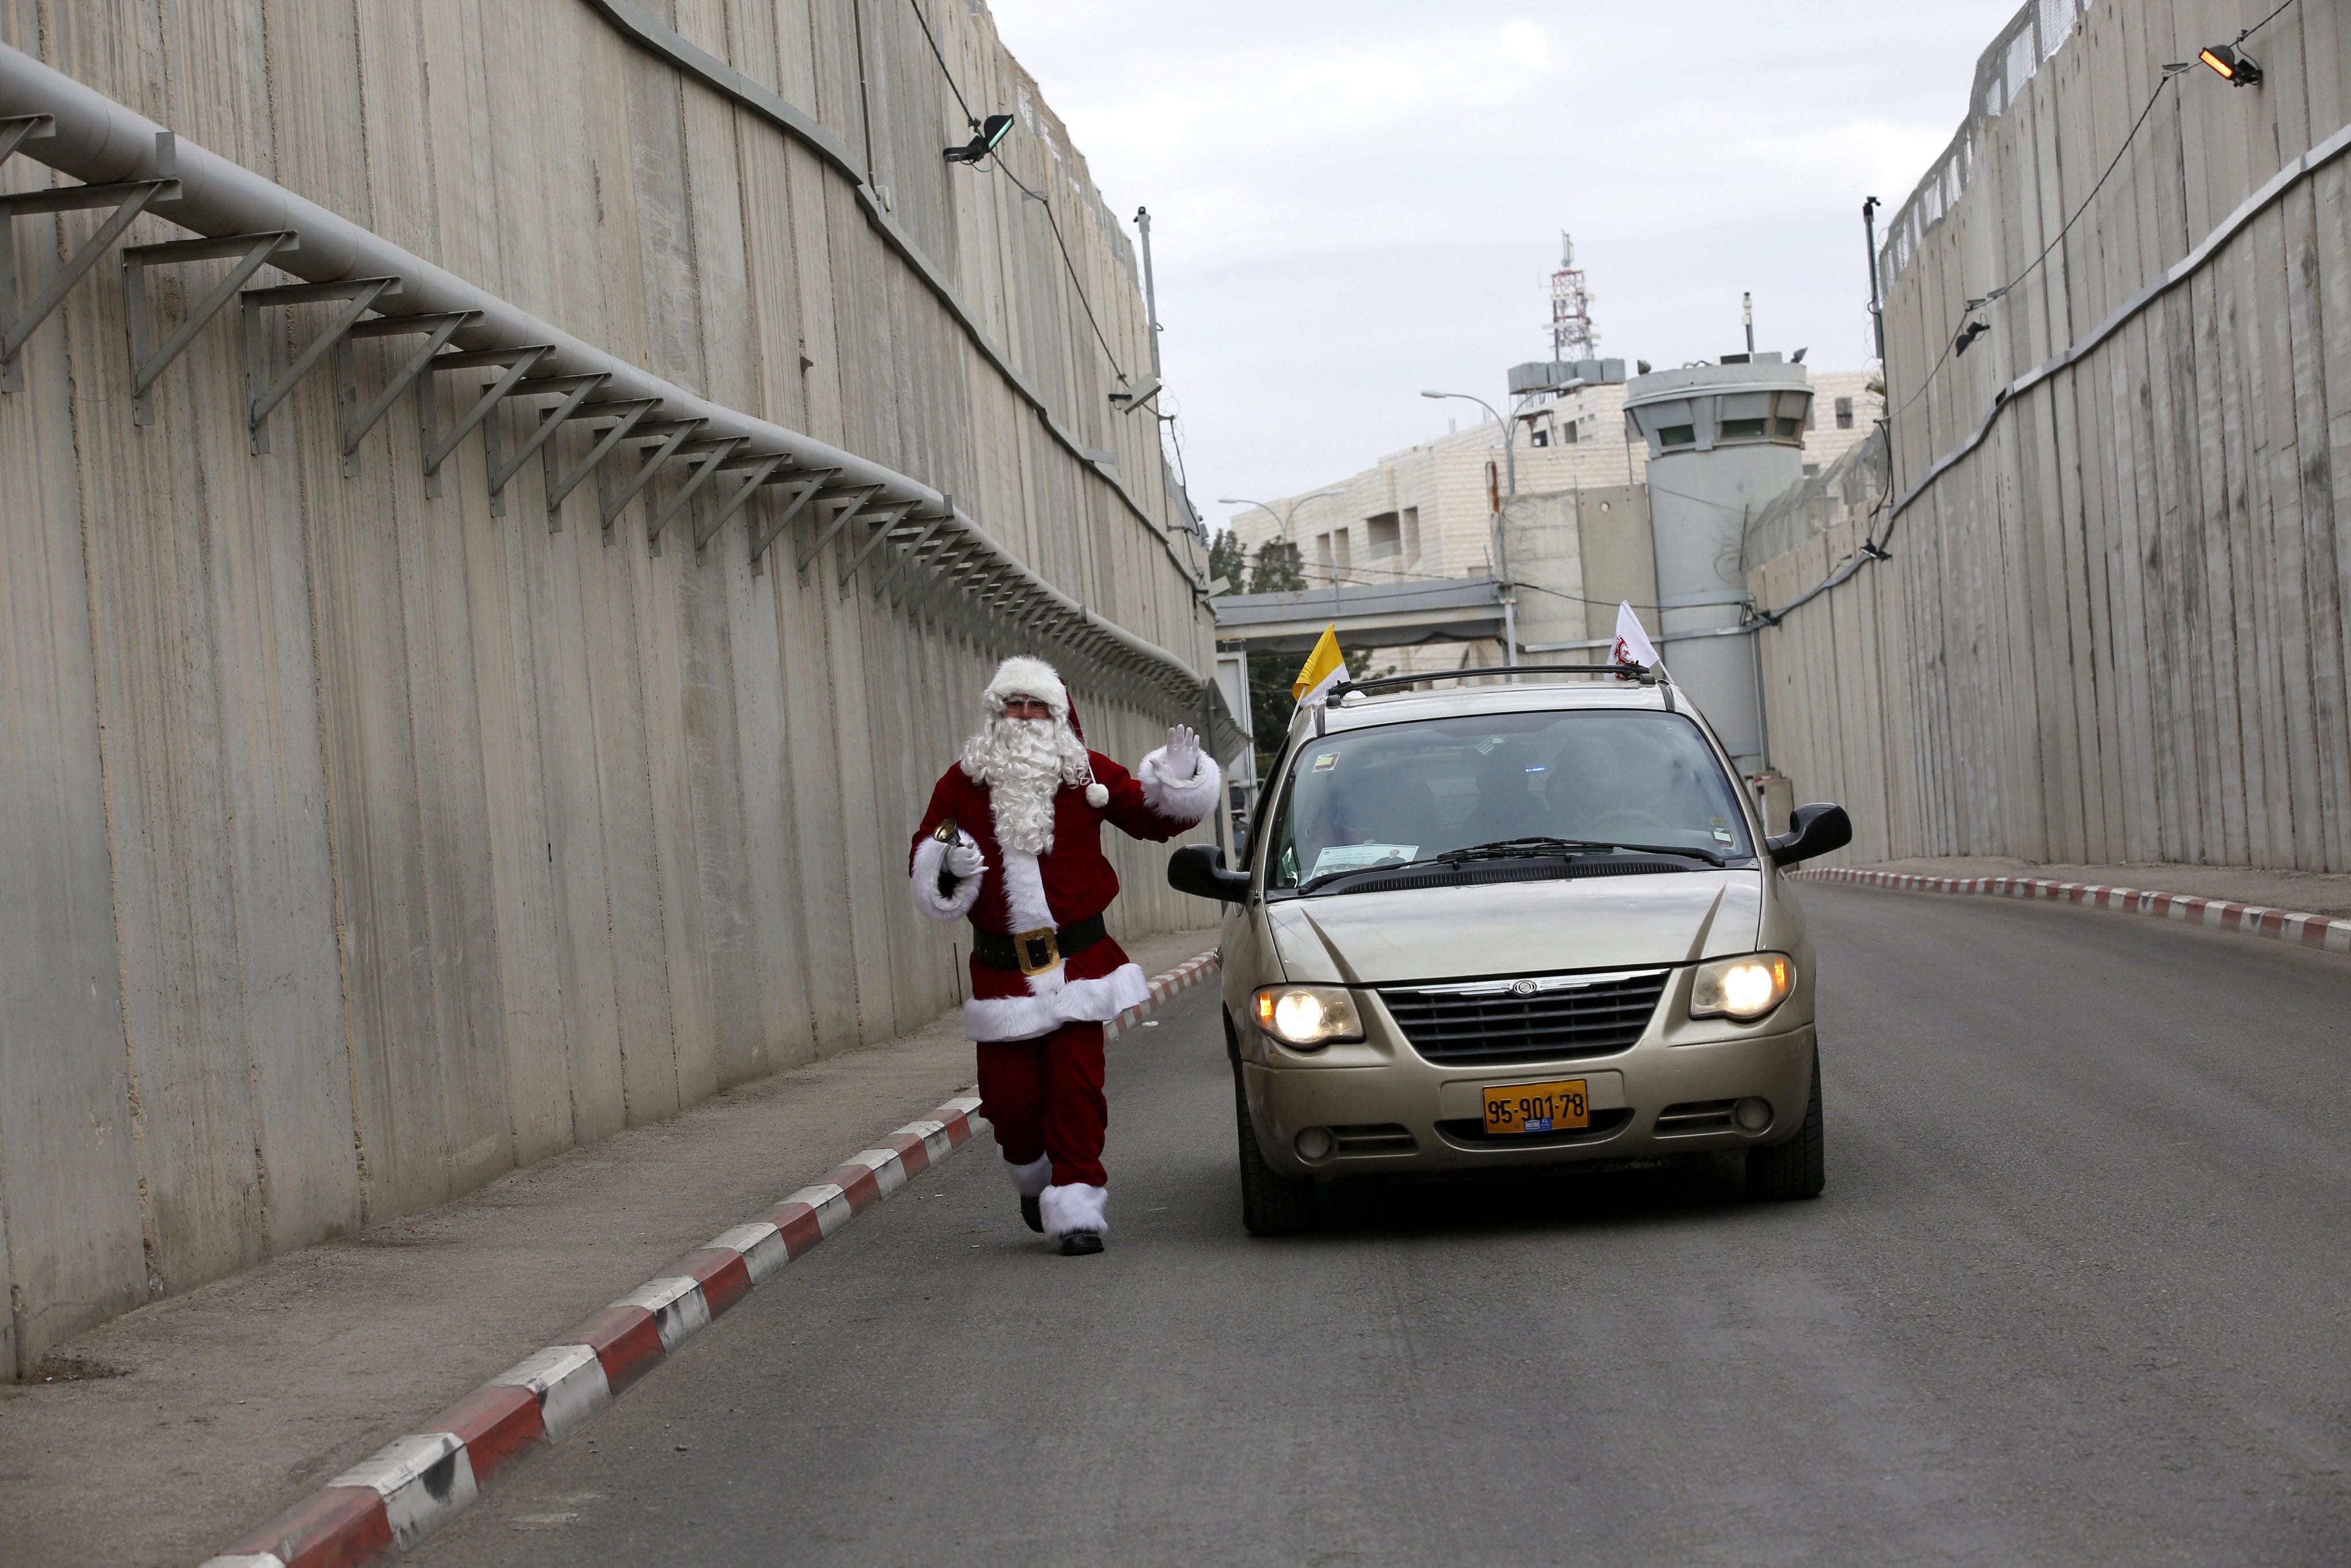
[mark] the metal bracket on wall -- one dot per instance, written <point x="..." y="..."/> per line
<point x="128" y="200"/>
<point x="18" y="129"/>
<point x="519" y="362"/>
<point x="914" y="550"/>
<point x="762" y="538"/>
<point x="261" y="392"/>
<point x="886" y="521"/>
<point x="718" y="449"/>
<point x="625" y="415"/>
<point x="438" y="329"/>
<point x="146" y="369"/>
<point x="943" y="592"/>
<point x="575" y="390"/>
<point x="615" y="500"/>
<point x="762" y="470"/>
<point x="844" y="505"/>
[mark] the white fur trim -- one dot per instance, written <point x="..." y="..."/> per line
<point x="929" y="855"/>
<point x="1024" y="890"/>
<point x="1053" y="1001"/>
<point x="1032" y="1179"/>
<point x="1025" y="677"/>
<point x="1180" y="800"/>
<point x="1075" y="1210"/>
<point x="1097" y="795"/>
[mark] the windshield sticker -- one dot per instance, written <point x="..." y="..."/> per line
<point x="1356" y="857"/>
<point x="1722" y="835"/>
<point x="1486" y="746"/>
<point x="1327" y="761"/>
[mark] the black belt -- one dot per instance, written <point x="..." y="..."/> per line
<point x="1034" y="952"/>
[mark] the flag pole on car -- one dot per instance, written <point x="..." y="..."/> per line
<point x="1325" y="669"/>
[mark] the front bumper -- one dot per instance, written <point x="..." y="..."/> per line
<point x="1371" y="1108"/>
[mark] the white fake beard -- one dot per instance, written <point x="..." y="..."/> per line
<point x="1024" y="763"/>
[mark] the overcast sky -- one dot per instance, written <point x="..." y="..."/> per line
<point x="1351" y="202"/>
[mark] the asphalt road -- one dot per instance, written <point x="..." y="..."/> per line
<point x="2079" y="1291"/>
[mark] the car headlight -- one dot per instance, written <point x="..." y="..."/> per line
<point x="1743" y="988"/>
<point x="1308" y="1016"/>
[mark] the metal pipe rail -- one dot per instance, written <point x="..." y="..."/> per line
<point x="132" y="164"/>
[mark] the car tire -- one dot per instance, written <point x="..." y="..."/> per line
<point x="1272" y="1204"/>
<point x="1795" y="1168"/>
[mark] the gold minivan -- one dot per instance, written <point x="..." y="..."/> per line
<point x="1507" y="926"/>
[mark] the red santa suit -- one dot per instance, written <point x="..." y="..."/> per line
<point x="1040" y="1033"/>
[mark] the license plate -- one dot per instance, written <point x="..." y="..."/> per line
<point x="1555" y="1107"/>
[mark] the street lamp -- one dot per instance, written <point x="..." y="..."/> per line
<point x="1509" y="433"/>
<point x="1283" y="517"/>
<point x="1501" y="537"/>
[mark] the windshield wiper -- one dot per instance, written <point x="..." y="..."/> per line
<point x="1498" y="848"/>
<point x="1513" y="849"/>
<point x="1708" y="856"/>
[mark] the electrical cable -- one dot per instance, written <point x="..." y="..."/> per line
<point x="2263" y="22"/>
<point x="2171" y="75"/>
<point x="925" y="22"/>
<point x="997" y="165"/>
<point x="997" y="162"/>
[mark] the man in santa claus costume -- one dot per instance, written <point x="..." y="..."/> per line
<point x="1013" y="842"/>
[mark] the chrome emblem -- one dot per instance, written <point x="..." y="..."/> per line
<point x="1523" y="988"/>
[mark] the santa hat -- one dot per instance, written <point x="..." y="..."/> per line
<point x="1023" y="676"/>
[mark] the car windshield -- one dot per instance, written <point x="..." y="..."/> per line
<point x="1406" y="791"/>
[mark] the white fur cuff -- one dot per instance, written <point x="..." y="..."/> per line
<point x="1075" y="1210"/>
<point x="1180" y="800"/>
<point x="1032" y="1179"/>
<point x="929" y="855"/>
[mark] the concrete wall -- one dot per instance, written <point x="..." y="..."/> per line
<point x="2113" y="627"/>
<point x="357" y="844"/>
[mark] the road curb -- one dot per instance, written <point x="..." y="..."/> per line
<point x="414" y="1485"/>
<point x="2215" y="914"/>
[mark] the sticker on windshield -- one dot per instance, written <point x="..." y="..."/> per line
<point x="1722" y="835"/>
<point x="1357" y="857"/>
<point x="1327" y="761"/>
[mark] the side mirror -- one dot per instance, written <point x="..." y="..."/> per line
<point x="1200" y="870"/>
<point x="1812" y="831"/>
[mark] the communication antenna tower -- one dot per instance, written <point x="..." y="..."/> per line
<point x="1571" y="337"/>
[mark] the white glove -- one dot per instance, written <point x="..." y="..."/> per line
<point x="1183" y="753"/>
<point x="963" y="858"/>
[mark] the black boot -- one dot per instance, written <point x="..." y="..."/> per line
<point x="1032" y="1216"/>
<point x="1080" y="1244"/>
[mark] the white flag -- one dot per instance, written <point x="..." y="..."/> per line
<point x="1633" y="644"/>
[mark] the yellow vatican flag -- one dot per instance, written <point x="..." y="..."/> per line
<point x="1324" y="668"/>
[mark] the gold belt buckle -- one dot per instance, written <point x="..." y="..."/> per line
<point x="1036" y="951"/>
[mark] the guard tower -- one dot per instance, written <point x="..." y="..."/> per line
<point x="1723" y="440"/>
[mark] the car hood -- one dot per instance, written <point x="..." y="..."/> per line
<point x="1517" y="928"/>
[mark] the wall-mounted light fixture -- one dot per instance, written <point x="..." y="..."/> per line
<point x="2234" y="67"/>
<point x="1127" y="400"/>
<point x="1968" y="335"/>
<point x="987" y="134"/>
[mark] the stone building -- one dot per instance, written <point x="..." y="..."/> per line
<point x="1575" y="534"/>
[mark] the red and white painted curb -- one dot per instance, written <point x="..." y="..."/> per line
<point x="2218" y="915"/>
<point x="416" y="1484"/>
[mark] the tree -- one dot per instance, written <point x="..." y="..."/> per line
<point x="1280" y="569"/>
<point x="1228" y="559"/>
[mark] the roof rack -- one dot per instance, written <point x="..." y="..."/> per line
<point x="1648" y="675"/>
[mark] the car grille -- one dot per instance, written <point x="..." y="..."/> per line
<point x="1502" y="1022"/>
